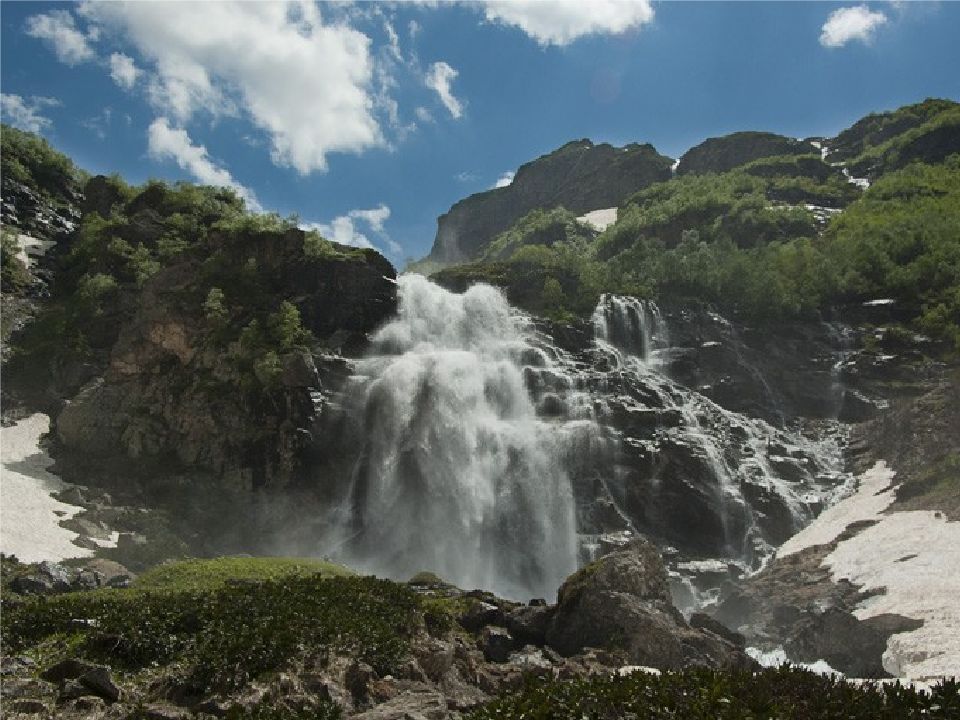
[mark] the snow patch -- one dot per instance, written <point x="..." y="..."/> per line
<point x="29" y="516"/>
<point x="912" y="556"/>
<point x="866" y="504"/>
<point x="776" y="658"/>
<point x="600" y="219"/>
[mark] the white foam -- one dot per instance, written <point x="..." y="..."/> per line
<point x="29" y="517"/>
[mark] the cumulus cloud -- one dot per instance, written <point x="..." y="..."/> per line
<point x="346" y="230"/>
<point x="58" y="29"/>
<point x="167" y="143"/>
<point x="560" y="22"/>
<point x="25" y="113"/>
<point x="849" y="24"/>
<point x="505" y="179"/>
<point x="123" y="70"/>
<point x="438" y="78"/>
<point x="307" y="84"/>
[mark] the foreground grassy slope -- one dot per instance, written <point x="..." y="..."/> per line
<point x="199" y="629"/>
<point x="215" y="625"/>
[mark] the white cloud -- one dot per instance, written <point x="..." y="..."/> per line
<point x="464" y="177"/>
<point x="560" y="22"/>
<point x="123" y="70"/>
<point x="423" y="115"/>
<point x="344" y="229"/>
<point x="851" y="23"/>
<point x="58" y="29"/>
<point x="505" y="179"/>
<point x="99" y="124"/>
<point x="438" y="79"/>
<point x="394" y="41"/>
<point x="307" y="84"/>
<point x="167" y="143"/>
<point x="24" y="113"/>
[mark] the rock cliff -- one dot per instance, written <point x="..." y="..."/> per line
<point x="579" y="176"/>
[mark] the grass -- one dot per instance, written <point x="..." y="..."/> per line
<point x="218" y="624"/>
<point x="201" y="574"/>
<point x="784" y="693"/>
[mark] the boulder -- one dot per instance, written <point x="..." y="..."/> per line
<point x="496" y="644"/>
<point x="480" y="614"/>
<point x="529" y="624"/>
<point x="622" y="601"/>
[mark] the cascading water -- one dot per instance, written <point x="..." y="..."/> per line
<point x="457" y="474"/>
<point x="752" y="466"/>
<point x="633" y="325"/>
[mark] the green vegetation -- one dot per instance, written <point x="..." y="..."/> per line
<point x="196" y="575"/>
<point x="785" y="693"/>
<point x="725" y="240"/>
<point x="221" y="635"/>
<point x="878" y="129"/>
<point x="539" y="227"/>
<point x="929" y="142"/>
<point x="129" y="235"/>
<point x="29" y="160"/>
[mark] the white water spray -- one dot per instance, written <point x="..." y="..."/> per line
<point x="458" y="475"/>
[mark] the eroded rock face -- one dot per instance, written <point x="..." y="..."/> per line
<point x="623" y="601"/>
<point x="171" y="392"/>
<point x="579" y="176"/>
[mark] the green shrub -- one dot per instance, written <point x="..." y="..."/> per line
<point x="785" y="693"/>
<point x="223" y="637"/>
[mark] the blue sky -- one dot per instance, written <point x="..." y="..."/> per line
<point x="369" y="120"/>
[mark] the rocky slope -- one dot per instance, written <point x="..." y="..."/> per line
<point x="579" y="176"/>
<point x="446" y="651"/>
<point x="727" y="152"/>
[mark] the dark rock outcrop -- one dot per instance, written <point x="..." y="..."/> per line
<point x="579" y="176"/>
<point x="725" y="153"/>
<point x="623" y="601"/>
<point x="795" y="604"/>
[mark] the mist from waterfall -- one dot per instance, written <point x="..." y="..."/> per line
<point x="458" y="475"/>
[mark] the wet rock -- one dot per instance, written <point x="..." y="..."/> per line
<point x="480" y="614"/>
<point x="529" y="624"/>
<point x="298" y="370"/>
<point x="496" y="644"/>
<point x="623" y="601"/>
<point x="703" y="621"/>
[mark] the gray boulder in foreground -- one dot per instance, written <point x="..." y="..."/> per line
<point x="622" y="601"/>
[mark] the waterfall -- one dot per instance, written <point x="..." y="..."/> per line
<point x="747" y="461"/>
<point x="633" y="325"/>
<point x="457" y="474"/>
